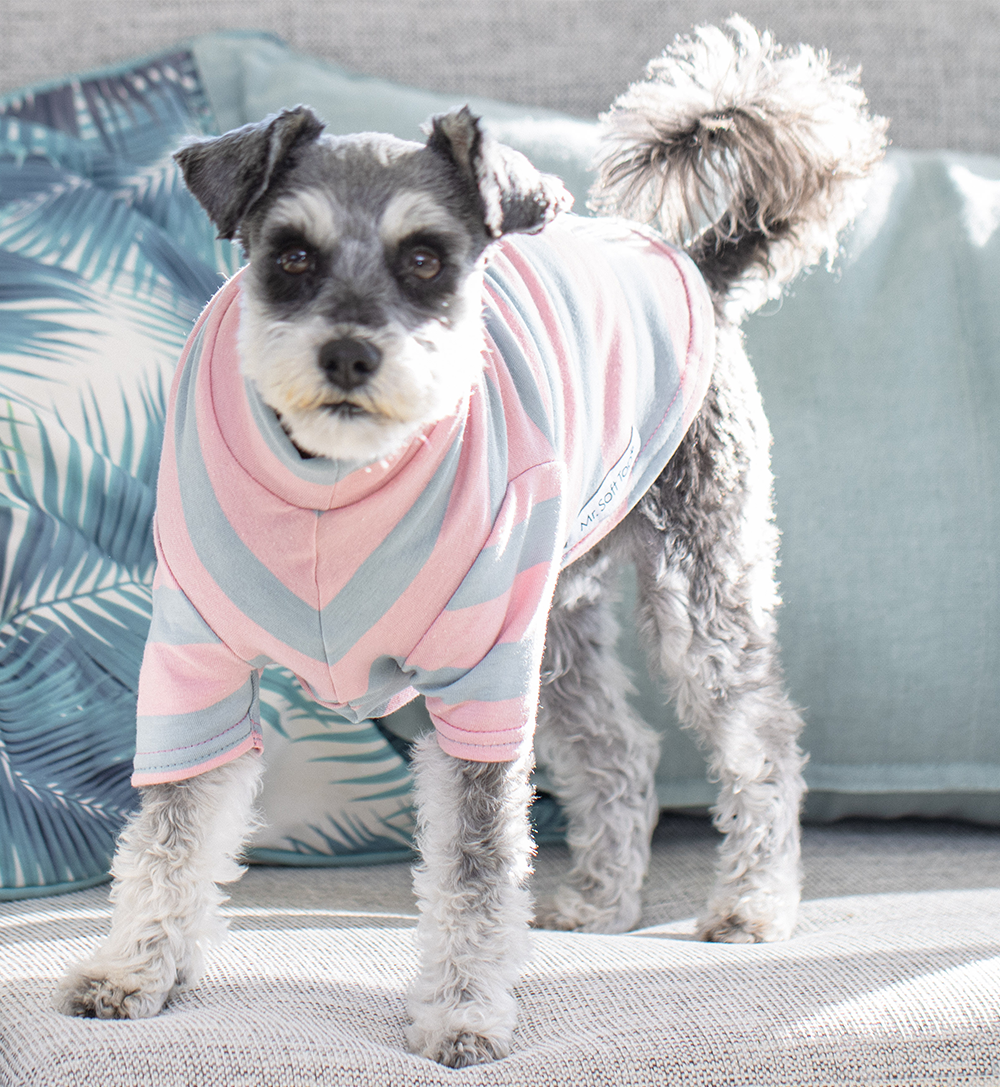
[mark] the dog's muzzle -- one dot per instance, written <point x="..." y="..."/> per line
<point x="349" y="363"/>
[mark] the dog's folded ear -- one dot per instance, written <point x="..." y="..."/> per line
<point x="229" y="174"/>
<point x="515" y="197"/>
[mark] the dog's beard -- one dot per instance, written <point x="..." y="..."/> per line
<point x="423" y="377"/>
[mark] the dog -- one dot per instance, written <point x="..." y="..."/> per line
<point x="407" y="447"/>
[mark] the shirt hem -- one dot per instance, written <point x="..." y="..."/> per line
<point x="253" y="742"/>
<point x="480" y="752"/>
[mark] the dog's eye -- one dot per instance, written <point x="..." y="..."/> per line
<point x="423" y="263"/>
<point x="295" y="262"/>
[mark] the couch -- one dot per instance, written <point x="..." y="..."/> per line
<point x="879" y="378"/>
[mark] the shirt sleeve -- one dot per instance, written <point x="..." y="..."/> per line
<point x="198" y="702"/>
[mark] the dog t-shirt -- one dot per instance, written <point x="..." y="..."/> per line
<point x="430" y="572"/>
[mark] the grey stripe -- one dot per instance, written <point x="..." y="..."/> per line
<point x="197" y="736"/>
<point x="505" y="672"/>
<point x="659" y="366"/>
<point x="176" y="620"/>
<point x="655" y="457"/>
<point x="497" y="453"/>
<point x="517" y="365"/>
<point x="385" y="679"/>
<point x="319" y="470"/>
<point x="534" y="540"/>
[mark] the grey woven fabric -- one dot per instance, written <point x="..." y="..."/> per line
<point x="929" y="64"/>
<point x="901" y="986"/>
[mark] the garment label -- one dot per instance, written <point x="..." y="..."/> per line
<point x="609" y="496"/>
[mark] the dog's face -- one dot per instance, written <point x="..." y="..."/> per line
<point x="360" y="322"/>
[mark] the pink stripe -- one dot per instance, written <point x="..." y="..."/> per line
<point x="528" y="603"/>
<point x="186" y="678"/>
<point x="481" y="731"/>
<point x="475" y="753"/>
<point x="482" y="722"/>
<point x="461" y="638"/>
<point x="457" y="638"/>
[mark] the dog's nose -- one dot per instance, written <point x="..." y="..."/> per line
<point x="349" y="363"/>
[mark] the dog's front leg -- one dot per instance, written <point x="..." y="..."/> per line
<point x="476" y="847"/>
<point x="169" y="859"/>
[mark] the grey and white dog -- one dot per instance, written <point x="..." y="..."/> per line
<point x="752" y="159"/>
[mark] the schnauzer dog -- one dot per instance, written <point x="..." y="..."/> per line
<point x="406" y="447"/>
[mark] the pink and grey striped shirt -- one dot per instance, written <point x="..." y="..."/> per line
<point x="431" y="572"/>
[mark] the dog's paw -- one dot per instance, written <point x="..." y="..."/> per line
<point x="98" y="992"/>
<point x="748" y="921"/>
<point x="458" y="1049"/>
<point x="569" y="911"/>
<point x="730" y="930"/>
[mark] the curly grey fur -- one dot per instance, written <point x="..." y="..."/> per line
<point x="753" y="157"/>
<point x="600" y="755"/>
<point x="705" y="548"/>
<point x="475" y="844"/>
<point x="170" y="858"/>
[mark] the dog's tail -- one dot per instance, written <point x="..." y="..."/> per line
<point x="752" y="157"/>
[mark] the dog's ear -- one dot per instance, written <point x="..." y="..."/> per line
<point x="515" y="197"/>
<point x="229" y="174"/>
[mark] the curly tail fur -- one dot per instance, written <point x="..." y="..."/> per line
<point x="752" y="157"/>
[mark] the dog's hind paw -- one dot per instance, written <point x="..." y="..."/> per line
<point x="101" y="993"/>
<point x="569" y="911"/>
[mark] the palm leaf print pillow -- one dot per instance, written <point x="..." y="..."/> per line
<point x="105" y="262"/>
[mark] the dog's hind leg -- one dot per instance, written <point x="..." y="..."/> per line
<point x="475" y="844"/>
<point x="170" y="857"/>
<point x="705" y="548"/>
<point x="600" y="757"/>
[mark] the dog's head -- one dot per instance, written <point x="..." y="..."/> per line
<point x="361" y="307"/>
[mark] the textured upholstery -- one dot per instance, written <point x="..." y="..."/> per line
<point x="899" y="987"/>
